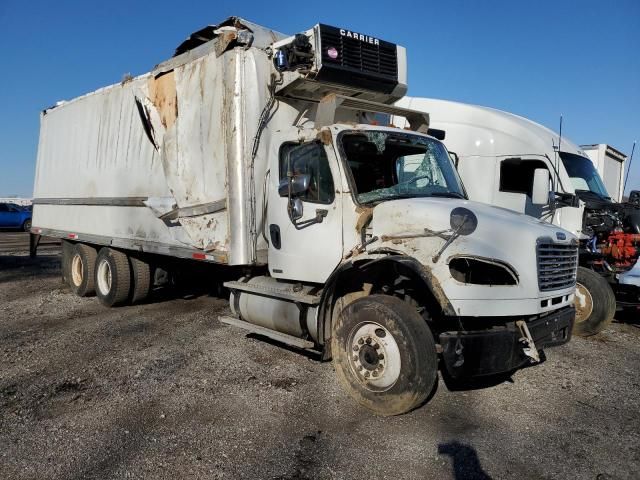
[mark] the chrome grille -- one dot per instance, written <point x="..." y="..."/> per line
<point x="557" y="265"/>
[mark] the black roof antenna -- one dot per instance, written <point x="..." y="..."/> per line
<point x="560" y="137"/>
<point x="624" y="185"/>
<point x="557" y="163"/>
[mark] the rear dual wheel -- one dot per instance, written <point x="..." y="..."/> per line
<point x="80" y="271"/>
<point x="113" y="277"/>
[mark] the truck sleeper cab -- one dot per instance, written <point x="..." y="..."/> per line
<point x="374" y="255"/>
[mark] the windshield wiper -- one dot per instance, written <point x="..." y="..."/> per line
<point x="448" y="194"/>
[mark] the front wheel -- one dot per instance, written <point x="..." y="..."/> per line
<point x="384" y="354"/>
<point x="26" y="226"/>
<point x="595" y="303"/>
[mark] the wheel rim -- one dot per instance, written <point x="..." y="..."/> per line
<point x="76" y="270"/>
<point x="374" y="356"/>
<point x="104" y="277"/>
<point x="583" y="303"/>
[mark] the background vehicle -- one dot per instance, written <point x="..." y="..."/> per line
<point x="610" y="164"/>
<point x="254" y="151"/>
<point x="498" y="154"/>
<point x="15" y="216"/>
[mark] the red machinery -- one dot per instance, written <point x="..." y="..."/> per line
<point x="622" y="249"/>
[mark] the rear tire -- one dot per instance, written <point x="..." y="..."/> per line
<point x="26" y="226"/>
<point x="81" y="275"/>
<point x="142" y="279"/>
<point x="113" y="277"/>
<point x="384" y="354"/>
<point x="595" y="303"/>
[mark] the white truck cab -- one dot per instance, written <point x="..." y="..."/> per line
<point x="497" y="155"/>
<point x="262" y="152"/>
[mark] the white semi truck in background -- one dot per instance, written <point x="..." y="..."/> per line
<point x="498" y="156"/>
<point x="255" y="151"/>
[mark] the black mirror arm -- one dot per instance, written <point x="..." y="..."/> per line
<point x="566" y="199"/>
<point x="319" y="218"/>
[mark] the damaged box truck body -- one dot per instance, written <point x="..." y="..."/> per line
<point x="498" y="154"/>
<point x="252" y="149"/>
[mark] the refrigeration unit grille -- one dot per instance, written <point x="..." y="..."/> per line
<point x="357" y="60"/>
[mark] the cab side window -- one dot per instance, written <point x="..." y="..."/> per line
<point x="516" y="175"/>
<point x="310" y="159"/>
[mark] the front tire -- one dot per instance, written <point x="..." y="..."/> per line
<point x="26" y="226"/>
<point x="384" y="354"/>
<point x="595" y="303"/>
<point x="112" y="277"/>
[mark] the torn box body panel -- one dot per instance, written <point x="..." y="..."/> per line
<point x="179" y="142"/>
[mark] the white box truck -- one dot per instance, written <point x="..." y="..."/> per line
<point x="498" y="155"/>
<point x="610" y="164"/>
<point x="260" y="153"/>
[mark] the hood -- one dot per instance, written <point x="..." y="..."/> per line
<point x="407" y="216"/>
<point x="407" y="227"/>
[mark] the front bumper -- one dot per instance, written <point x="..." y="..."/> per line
<point x="502" y="349"/>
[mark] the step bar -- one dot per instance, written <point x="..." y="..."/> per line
<point x="266" y="332"/>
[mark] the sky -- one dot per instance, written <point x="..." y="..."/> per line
<point x="538" y="59"/>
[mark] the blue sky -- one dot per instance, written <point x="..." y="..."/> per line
<point x="536" y="58"/>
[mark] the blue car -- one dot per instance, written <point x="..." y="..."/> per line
<point x="14" y="216"/>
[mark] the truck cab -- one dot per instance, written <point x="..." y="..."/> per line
<point x="498" y="155"/>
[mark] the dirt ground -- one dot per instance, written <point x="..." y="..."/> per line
<point x="163" y="390"/>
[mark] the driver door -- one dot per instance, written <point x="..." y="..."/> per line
<point x="307" y="248"/>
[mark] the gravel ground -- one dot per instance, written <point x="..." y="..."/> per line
<point x="163" y="390"/>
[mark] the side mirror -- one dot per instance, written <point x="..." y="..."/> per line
<point x="298" y="184"/>
<point x="295" y="209"/>
<point x="540" y="190"/>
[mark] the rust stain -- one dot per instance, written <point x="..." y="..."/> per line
<point x="324" y="136"/>
<point x="366" y="214"/>
<point x="437" y="291"/>
<point x="223" y="41"/>
<point x="162" y="92"/>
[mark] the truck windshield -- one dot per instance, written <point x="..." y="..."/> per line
<point x="583" y="174"/>
<point x="389" y="165"/>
